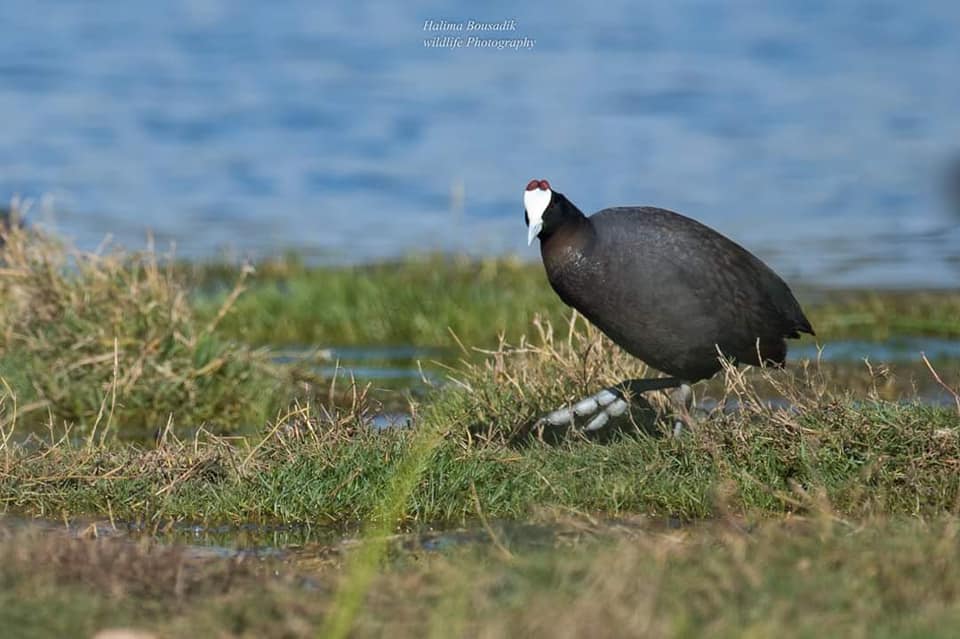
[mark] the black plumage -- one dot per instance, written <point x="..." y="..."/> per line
<point x="666" y="288"/>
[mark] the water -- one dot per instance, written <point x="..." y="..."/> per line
<point x="408" y="365"/>
<point x="894" y="350"/>
<point x="304" y="541"/>
<point x="404" y="364"/>
<point x="395" y="372"/>
<point x="813" y="132"/>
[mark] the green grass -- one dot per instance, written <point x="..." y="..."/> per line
<point x="420" y="300"/>
<point x="125" y="342"/>
<point x="884" y="314"/>
<point x="848" y="486"/>
<point x="866" y="456"/>
<point x="110" y="346"/>
<point x="873" y="459"/>
<point x="416" y="301"/>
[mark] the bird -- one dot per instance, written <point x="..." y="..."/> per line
<point x="666" y="288"/>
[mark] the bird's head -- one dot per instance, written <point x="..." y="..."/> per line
<point x="538" y="200"/>
<point x="546" y="210"/>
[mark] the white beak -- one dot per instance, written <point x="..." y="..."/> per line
<point x="533" y="231"/>
<point x="535" y="203"/>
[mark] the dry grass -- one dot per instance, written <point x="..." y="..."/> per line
<point x="109" y="342"/>
<point x="856" y="495"/>
<point x="802" y="577"/>
<point x="771" y="433"/>
<point x="499" y="396"/>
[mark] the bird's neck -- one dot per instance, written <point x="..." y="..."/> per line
<point x="568" y="220"/>
<point x="568" y="239"/>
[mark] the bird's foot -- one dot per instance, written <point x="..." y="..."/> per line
<point x="594" y="411"/>
<point x="623" y="402"/>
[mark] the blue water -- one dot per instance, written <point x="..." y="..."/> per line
<point x="409" y="367"/>
<point x="893" y="350"/>
<point x="813" y="132"/>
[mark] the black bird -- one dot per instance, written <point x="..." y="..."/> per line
<point x="667" y="289"/>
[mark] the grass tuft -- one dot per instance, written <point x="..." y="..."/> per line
<point x="111" y="342"/>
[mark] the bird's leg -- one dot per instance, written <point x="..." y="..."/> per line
<point x="598" y="409"/>
<point x="681" y="398"/>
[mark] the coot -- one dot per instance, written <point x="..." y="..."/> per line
<point x="667" y="289"/>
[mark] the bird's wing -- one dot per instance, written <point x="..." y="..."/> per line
<point x="697" y="267"/>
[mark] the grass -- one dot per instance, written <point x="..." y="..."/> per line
<point x="126" y="342"/>
<point x="111" y="342"/>
<point x="806" y="577"/>
<point x="882" y="315"/>
<point x="420" y="300"/>
<point x="867" y="456"/>
<point x="416" y="301"/>
<point x="825" y="499"/>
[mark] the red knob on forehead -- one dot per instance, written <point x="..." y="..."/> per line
<point x="531" y="185"/>
<point x="544" y="185"/>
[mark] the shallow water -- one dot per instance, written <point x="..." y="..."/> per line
<point x="411" y="368"/>
<point x="393" y="372"/>
<point x="895" y="350"/>
<point x="305" y="542"/>
<point x="814" y="133"/>
<point x="394" y="366"/>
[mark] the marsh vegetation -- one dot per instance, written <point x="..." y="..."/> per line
<point x="143" y="393"/>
